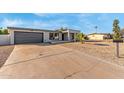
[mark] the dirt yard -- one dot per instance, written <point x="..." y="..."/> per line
<point x="38" y="61"/>
<point x="4" y="53"/>
<point x="103" y="50"/>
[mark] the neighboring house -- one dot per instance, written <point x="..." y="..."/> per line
<point x="29" y="35"/>
<point x="99" y="36"/>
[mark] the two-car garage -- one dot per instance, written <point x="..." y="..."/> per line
<point x="27" y="37"/>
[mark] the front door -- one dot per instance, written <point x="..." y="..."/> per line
<point x="62" y="36"/>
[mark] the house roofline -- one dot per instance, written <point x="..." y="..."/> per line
<point x="99" y="33"/>
<point x="69" y="30"/>
<point x="33" y="29"/>
<point x="74" y="30"/>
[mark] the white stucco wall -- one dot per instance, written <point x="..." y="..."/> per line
<point x="11" y="37"/>
<point x="46" y="34"/>
<point x="75" y="36"/>
<point x="4" y="39"/>
<point x="95" y="37"/>
<point x="74" y="32"/>
<point x="60" y="36"/>
<point x="46" y="37"/>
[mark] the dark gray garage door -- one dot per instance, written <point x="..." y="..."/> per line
<point x="27" y="37"/>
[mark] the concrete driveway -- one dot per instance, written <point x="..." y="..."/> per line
<point x="56" y="61"/>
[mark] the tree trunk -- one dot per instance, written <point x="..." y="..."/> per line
<point x="117" y="49"/>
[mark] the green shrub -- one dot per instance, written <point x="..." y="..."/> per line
<point x="5" y="31"/>
<point x="80" y="37"/>
<point x="1" y="32"/>
<point x="116" y="30"/>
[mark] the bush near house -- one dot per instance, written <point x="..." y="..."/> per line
<point x="1" y="31"/>
<point x="4" y="31"/>
<point x="80" y="37"/>
<point x="86" y="37"/>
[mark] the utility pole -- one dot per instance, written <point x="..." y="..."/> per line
<point x="96" y="27"/>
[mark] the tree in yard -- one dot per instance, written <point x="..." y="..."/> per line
<point x="1" y="31"/>
<point x="5" y="31"/>
<point x="80" y="37"/>
<point x="116" y="34"/>
<point x="116" y="30"/>
<point x="86" y="37"/>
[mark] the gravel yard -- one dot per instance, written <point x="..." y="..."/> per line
<point x="103" y="50"/>
<point x="5" y="51"/>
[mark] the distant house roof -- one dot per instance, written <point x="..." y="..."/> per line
<point x="99" y="33"/>
<point x="20" y="28"/>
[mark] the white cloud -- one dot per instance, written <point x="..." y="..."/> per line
<point x="10" y="22"/>
<point x="56" y="23"/>
<point x="86" y="14"/>
<point x="43" y="24"/>
<point x="40" y="14"/>
<point x="51" y="24"/>
<point x="39" y="24"/>
<point x="87" y="26"/>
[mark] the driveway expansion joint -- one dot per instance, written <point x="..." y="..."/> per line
<point x="70" y="75"/>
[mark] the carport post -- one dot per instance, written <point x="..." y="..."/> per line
<point x="68" y="35"/>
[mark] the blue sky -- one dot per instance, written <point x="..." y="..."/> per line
<point x="80" y="21"/>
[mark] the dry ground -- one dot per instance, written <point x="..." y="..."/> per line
<point x="63" y="61"/>
<point x="103" y="50"/>
<point x="4" y="53"/>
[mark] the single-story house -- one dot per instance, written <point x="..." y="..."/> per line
<point x="28" y="35"/>
<point x="99" y="36"/>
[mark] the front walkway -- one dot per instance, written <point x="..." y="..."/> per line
<point x="56" y="61"/>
